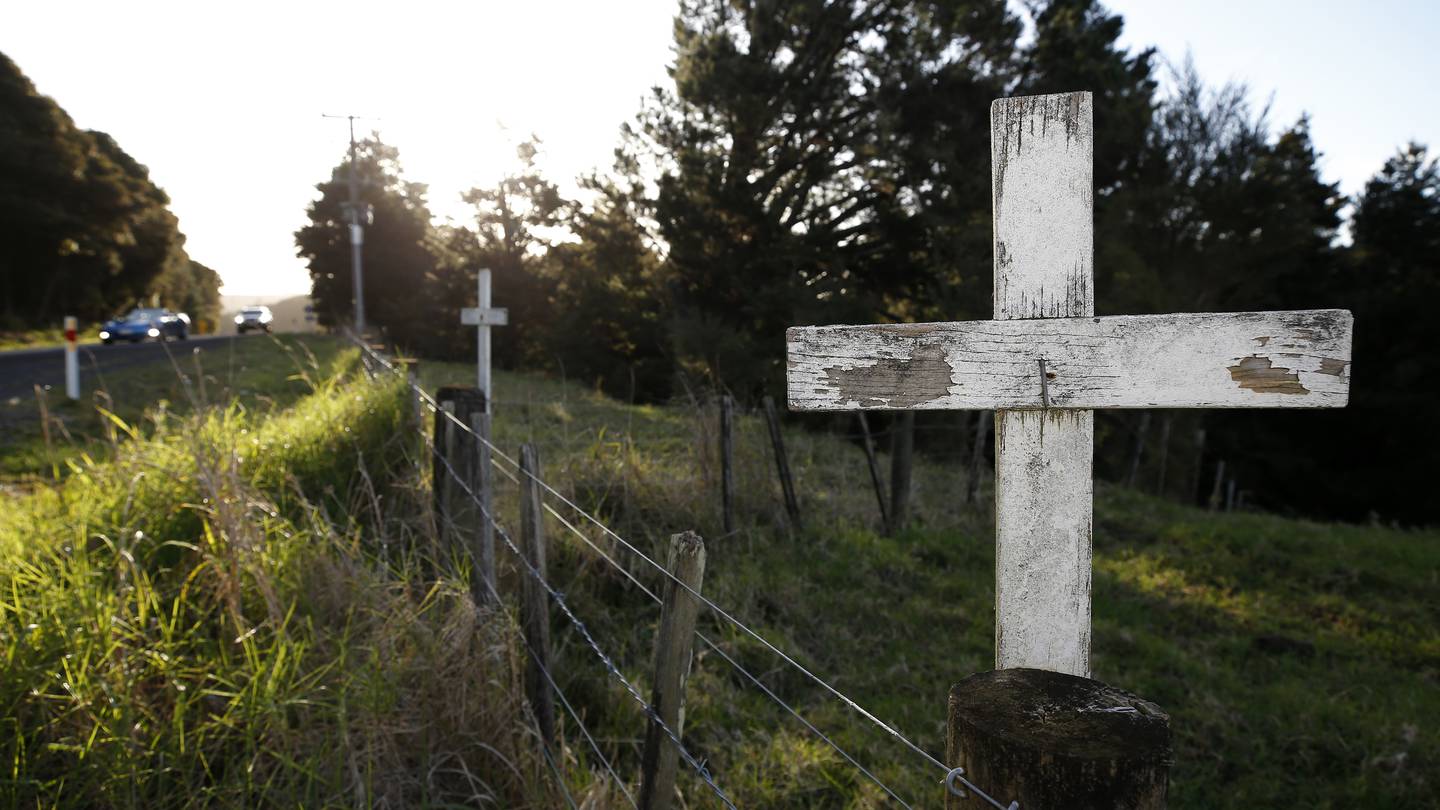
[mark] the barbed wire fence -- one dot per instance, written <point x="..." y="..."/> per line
<point x="952" y="780"/>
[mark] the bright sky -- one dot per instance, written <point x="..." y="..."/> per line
<point x="223" y="102"/>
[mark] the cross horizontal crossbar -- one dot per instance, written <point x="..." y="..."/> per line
<point x="494" y="316"/>
<point x="1203" y="360"/>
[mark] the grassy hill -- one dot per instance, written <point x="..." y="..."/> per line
<point x="242" y="604"/>
<point x="1299" y="660"/>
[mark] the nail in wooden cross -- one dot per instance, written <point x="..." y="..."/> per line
<point x="1045" y="362"/>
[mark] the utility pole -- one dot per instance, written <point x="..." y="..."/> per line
<point x="358" y="217"/>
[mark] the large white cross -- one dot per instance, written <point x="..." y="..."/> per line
<point x="482" y="318"/>
<point x="1045" y="362"/>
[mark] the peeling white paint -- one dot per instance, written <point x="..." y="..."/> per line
<point x="1202" y="360"/>
<point x="1044" y="310"/>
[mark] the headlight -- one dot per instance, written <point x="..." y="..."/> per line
<point x="153" y="332"/>
<point x="239" y="319"/>
<point x="104" y="335"/>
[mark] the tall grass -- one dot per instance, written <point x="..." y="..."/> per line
<point x="237" y="610"/>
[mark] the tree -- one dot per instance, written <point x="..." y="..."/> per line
<point x="83" y="230"/>
<point x="399" y="250"/>
<point x="1385" y="441"/>
<point x="610" y="314"/>
<point x="797" y="150"/>
<point x="515" y="223"/>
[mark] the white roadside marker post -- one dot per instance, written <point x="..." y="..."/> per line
<point x="72" y="359"/>
<point x="482" y="318"/>
<point x="1046" y="362"/>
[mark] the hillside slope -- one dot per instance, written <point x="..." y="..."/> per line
<point x="1299" y="660"/>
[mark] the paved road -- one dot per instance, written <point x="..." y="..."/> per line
<point x="22" y="369"/>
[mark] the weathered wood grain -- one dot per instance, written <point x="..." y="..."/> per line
<point x="1052" y="741"/>
<point x="1042" y="182"/>
<point x="1043" y="506"/>
<point x="1202" y="360"/>
<point x="1042" y="190"/>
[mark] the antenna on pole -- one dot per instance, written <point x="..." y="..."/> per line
<point x="359" y="216"/>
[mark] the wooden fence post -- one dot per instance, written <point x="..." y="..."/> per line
<point x="534" y="601"/>
<point x="674" y="644"/>
<point x="1198" y="480"/>
<point x="874" y="469"/>
<point x="782" y="464"/>
<point x="902" y="457"/>
<point x="727" y="463"/>
<point x="458" y="508"/>
<point x="977" y="455"/>
<point x="440" y="483"/>
<point x="483" y="479"/>
<point x="1093" y="747"/>
<point x="1217" y="492"/>
<point x="417" y="411"/>
<point x="1139" y="449"/>
<point x="1164" y="454"/>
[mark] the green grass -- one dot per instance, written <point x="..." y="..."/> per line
<point x="241" y="608"/>
<point x="243" y="605"/>
<point x="1298" y="660"/>
<point x="256" y="373"/>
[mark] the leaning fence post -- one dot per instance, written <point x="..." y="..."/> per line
<point x="534" y="601"/>
<point x="1139" y="449"/>
<point x="782" y="464"/>
<point x="1092" y="747"/>
<point x="902" y="456"/>
<point x="680" y="606"/>
<point x="483" y="577"/>
<point x="727" y="463"/>
<point x="1218" y="492"/>
<point x="977" y="456"/>
<point x="874" y="469"/>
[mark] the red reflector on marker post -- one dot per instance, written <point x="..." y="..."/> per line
<point x="72" y="360"/>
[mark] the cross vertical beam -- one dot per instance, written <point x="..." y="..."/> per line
<point x="1042" y="186"/>
<point x="482" y="339"/>
<point x="482" y="317"/>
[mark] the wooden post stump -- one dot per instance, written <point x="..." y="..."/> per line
<point x="1053" y="741"/>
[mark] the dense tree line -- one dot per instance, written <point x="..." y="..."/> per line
<point x="83" y="230"/>
<point x="823" y="162"/>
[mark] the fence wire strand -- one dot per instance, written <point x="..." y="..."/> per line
<point x="951" y="774"/>
<point x="559" y="599"/>
<point x="554" y="685"/>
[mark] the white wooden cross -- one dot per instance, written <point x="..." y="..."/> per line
<point x="482" y="318"/>
<point x="1045" y="362"/>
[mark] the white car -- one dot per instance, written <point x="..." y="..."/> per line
<point x="253" y="318"/>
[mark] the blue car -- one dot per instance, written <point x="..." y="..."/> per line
<point x="144" y="324"/>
